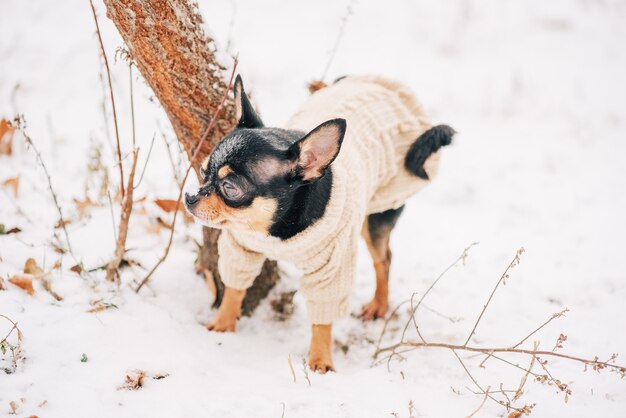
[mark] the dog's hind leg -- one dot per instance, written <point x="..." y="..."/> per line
<point x="376" y="232"/>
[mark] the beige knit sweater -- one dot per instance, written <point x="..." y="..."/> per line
<point x="383" y="119"/>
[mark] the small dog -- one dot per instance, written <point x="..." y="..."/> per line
<point x="290" y="194"/>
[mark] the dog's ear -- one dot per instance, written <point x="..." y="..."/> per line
<point x="317" y="150"/>
<point x="244" y="112"/>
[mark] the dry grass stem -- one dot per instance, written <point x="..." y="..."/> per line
<point x="19" y="122"/>
<point x="108" y="71"/>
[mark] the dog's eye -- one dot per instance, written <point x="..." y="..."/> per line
<point x="230" y="190"/>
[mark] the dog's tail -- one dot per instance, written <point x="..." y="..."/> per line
<point x="428" y="143"/>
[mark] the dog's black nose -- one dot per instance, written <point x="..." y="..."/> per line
<point x="191" y="200"/>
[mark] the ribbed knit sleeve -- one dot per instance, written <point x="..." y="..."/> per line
<point x="238" y="266"/>
<point x="327" y="286"/>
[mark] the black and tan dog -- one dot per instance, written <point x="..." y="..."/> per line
<point x="290" y="194"/>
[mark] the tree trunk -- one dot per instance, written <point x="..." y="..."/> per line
<point x="177" y="60"/>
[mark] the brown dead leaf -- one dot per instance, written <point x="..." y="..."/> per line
<point x="12" y="183"/>
<point x="167" y="205"/>
<point x="13" y="407"/>
<point x="24" y="282"/>
<point x="77" y="269"/>
<point x="61" y="223"/>
<point x="316" y="85"/>
<point x="31" y="267"/>
<point x="515" y="414"/>
<point x="134" y="380"/>
<point x="3" y="285"/>
<point x="4" y="231"/>
<point x="97" y="308"/>
<point x="6" y="137"/>
<point x="57" y="248"/>
<point x="83" y="207"/>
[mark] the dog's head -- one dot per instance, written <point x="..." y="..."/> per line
<point x="254" y="171"/>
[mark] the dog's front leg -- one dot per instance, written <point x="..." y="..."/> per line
<point x="228" y="312"/>
<point x="320" y="356"/>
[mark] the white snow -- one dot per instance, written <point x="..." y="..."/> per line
<point x="537" y="92"/>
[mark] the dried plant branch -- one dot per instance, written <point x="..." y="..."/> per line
<point x="413" y="310"/>
<point x="108" y="71"/>
<point x="192" y="162"/>
<point x="506" y="401"/>
<point x="520" y="389"/>
<point x="595" y="363"/>
<point x="505" y="275"/>
<point x="112" y="272"/>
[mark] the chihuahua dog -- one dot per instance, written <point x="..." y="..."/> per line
<point x="343" y="167"/>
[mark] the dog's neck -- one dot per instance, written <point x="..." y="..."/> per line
<point x="303" y="208"/>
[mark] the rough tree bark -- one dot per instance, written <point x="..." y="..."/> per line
<point x="178" y="61"/>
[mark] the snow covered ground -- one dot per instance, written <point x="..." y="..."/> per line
<point x="537" y="93"/>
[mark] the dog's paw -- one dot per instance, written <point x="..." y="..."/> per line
<point x="321" y="365"/>
<point x="374" y="310"/>
<point x="222" y="325"/>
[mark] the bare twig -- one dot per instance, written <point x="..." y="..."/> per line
<point x="143" y="171"/>
<point x="192" y="161"/>
<point x="171" y="158"/>
<point x="482" y="403"/>
<point x="112" y="215"/>
<point x="342" y="28"/>
<point x="595" y="363"/>
<point x="520" y="389"/>
<point x="413" y="310"/>
<point x="127" y="208"/>
<point x="460" y="258"/>
<point x="504" y="276"/>
<point x="117" y="133"/>
<point x="554" y="316"/>
<point x="486" y="392"/>
<point x="132" y="101"/>
<point x="19" y="122"/>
